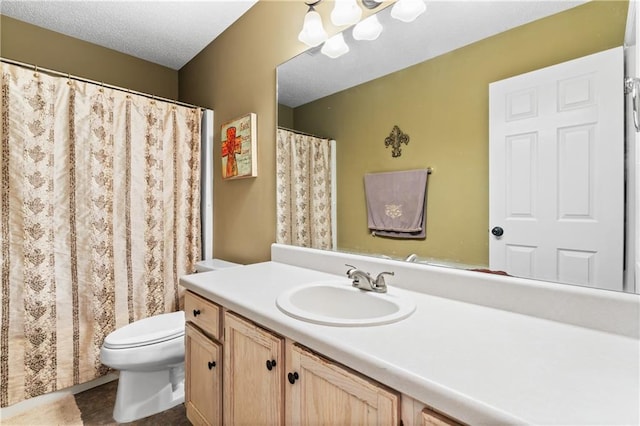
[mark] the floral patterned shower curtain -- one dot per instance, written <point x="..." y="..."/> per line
<point x="303" y="180"/>
<point x="99" y="216"/>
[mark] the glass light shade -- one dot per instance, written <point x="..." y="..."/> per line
<point x="367" y="29"/>
<point x="313" y="32"/>
<point x="408" y="10"/>
<point x="345" y="12"/>
<point x="335" y="46"/>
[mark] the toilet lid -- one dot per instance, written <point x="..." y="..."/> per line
<point x="147" y="331"/>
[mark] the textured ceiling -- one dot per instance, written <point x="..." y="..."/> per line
<point x="169" y="33"/>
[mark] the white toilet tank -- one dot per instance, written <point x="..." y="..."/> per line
<point x="213" y="264"/>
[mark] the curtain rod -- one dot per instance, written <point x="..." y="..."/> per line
<point x="99" y="83"/>
<point x="303" y="133"/>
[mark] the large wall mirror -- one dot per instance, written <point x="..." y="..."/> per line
<point x="431" y="77"/>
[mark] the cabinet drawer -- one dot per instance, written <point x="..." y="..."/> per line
<point x="203" y="313"/>
<point x="433" y="418"/>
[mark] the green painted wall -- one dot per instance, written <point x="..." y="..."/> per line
<point x="442" y="104"/>
<point x="233" y="75"/>
<point x="285" y="116"/>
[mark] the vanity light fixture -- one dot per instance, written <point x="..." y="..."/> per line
<point x="408" y="10"/>
<point x="335" y="46"/>
<point x="367" y="29"/>
<point x="313" y="32"/>
<point x="371" y="4"/>
<point x="345" y="12"/>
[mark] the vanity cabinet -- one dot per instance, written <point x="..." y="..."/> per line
<point x="238" y="373"/>
<point x="203" y="361"/>
<point x="311" y="390"/>
<point x="322" y="392"/>
<point x="253" y="374"/>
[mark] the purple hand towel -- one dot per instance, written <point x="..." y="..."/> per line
<point x="396" y="203"/>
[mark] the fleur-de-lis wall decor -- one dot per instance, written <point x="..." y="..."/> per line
<point x="395" y="139"/>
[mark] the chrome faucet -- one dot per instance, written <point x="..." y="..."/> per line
<point x="364" y="281"/>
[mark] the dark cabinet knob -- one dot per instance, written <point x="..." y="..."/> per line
<point x="497" y="231"/>
<point x="270" y="364"/>
<point x="211" y="364"/>
<point x="196" y="312"/>
<point x="293" y="377"/>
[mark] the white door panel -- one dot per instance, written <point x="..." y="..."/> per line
<point x="557" y="172"/>
<point x="632" y="64"/>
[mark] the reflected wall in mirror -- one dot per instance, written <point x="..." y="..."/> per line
<point x="442" y="103"/>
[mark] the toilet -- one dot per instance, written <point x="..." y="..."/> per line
<point x="149" y="353"/>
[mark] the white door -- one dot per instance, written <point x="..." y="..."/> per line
<point x="556" y="178"/>
<point x="632" y="64"/>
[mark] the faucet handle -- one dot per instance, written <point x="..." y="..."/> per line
<point x="350" y="270"/>
<point x="379" y="281"/>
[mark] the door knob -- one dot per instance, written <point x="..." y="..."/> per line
<point x="497" y="231"/>
<point x="270" y="364"/>
<point x="293" y="377"/>
<point x="211" y="364"/>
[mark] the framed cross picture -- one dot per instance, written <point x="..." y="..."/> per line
<point x="238" y="144"/>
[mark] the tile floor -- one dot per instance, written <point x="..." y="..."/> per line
<point x="96" y="407"/>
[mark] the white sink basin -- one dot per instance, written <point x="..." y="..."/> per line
<point x="338" y="303"/>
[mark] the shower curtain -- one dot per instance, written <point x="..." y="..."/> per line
<point x="99" y="200"/>
<point x="304" y="190"/>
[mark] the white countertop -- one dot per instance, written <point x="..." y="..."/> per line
<point x="478" y="364"/>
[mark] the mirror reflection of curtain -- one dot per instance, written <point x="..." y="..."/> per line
<point x="304" y="190"/>
<point x="99" y="216"/>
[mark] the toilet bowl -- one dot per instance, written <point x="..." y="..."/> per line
<point x="150" y="356"/>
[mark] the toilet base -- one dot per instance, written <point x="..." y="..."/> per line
<point x="144" y="393"/>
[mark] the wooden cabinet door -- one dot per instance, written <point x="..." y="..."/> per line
<point x="203" y="378"/>
<point x="326" y="393"/>
<point x="432" y="418"/>
<point x="253" y="385"/>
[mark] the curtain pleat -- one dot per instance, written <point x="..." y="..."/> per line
<point x="100" y="216"/>
<point x="303" y="184"/>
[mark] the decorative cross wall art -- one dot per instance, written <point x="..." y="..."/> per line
<point x="239" y="155"/>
